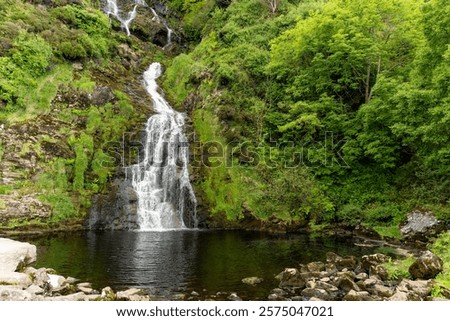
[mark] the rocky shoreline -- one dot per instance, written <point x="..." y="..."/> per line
<point x="20" y="282"/>
<point x="353" y="279"/>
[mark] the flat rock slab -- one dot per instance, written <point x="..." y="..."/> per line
<point x="15" y="278"/>
<point x="14" y="253"/>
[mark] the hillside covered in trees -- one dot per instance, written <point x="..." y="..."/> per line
<point x="312" y="111"/>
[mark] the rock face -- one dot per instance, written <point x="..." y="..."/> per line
<point x="426" y="266"/>
<point x="13" y="254"/>
<point x="116" y="210"/>
<point x="420" y="226"/>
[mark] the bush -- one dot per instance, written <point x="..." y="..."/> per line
<point x="31" y="53"/>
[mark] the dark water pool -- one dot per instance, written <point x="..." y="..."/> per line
<point x="183" y="261"/>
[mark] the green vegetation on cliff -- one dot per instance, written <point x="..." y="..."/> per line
<point x="331" y="111"/>
<point x="63" y="109"/>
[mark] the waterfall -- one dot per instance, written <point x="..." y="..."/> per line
<point x="112" y="9"/>
<point x="166" y="199"/>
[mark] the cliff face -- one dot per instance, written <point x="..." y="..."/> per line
<point x="72" y="105"/>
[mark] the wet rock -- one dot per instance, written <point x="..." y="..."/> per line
<point x="234" y="297"/>
<point x="253" y="280"/>
<point x="194" y="293"/>
<point x="291" y="277"/>
<point x="427" y="266"/>
<point x="420" y="226"/>
<point x="14" y="254"/>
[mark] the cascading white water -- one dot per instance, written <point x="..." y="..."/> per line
<point x="166" y="199"/>
<point x="112" y="9"/>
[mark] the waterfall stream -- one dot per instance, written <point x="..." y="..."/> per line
<point x="166" y="199"/>
<point x="112" y="9"/>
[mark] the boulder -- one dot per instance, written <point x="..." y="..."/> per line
<point x="40" y="277"/>
<point x="56" y="281"/>
<point x="132" y="294"/>
<point x="15" y="278"/>
<point x="14" y="254"/>
<point x="14" y="293"/>
<point x="34" y="289"/>
<point x="427" y="266"/>
<point x="382" y="291"/>
<point x="422" y="288"/>
<point x="353" y="295"/>
<point x="291" y="278"/>
<point x="420" y="226"/>
<point x="234" y="297"/>
<point x="79" y="296"/>
<point x="379" y="271"/>
<point x="399" y="296"/>
<point x="368" y="261"/>
<point x="108" y="294"/>
<point x="253" y="280"/>
<point x="347" y="284"/>
<point x="315" y="267"/>
<point x="317" y="293"/>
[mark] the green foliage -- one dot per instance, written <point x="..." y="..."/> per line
<point x="83" y="148"/>
<point x="348" y="88"/>
<point x="53" y="184"/>
<point x="31" y="54"/>
<point x="398" y="269"/>
<point x="441" y="247"/>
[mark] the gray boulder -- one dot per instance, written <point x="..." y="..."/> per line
<point x="13" y="254"/>
<point x="426" y="266"/>
<point x="420" y="226"/>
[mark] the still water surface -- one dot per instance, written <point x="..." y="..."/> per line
<point x="182" y="261"/>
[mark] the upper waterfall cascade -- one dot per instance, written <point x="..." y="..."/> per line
<point x="112" y="9"/>
<point x="166" y="199"/>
